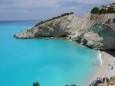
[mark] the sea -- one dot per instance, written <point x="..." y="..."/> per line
<point x="50" y="62"/>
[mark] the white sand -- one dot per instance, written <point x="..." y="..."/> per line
<point x="104" y="70"/>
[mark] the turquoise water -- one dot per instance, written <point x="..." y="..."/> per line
<point x="51" y="62"/>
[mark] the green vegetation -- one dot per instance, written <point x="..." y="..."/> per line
<point x="36" y="84"/>
<point x="108" y="21"/>
<point x="85" y="41"/>
<point x="54" y="18"/>
<point x="102" y="11"/>
<point x="112" y="79"/>
<point x="72" y="85"/>
<point x="111" y="10"/>
<point x="96" y="10"/>
<point x="113" y="20"/>
<point x="79" y="38"/>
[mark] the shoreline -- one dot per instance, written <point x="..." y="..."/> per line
<point x="104" y="70"/>
<point x="104" y="59"/>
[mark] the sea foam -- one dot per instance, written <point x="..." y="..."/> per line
<point x="99" y="57"/>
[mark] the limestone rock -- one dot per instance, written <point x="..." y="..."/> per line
<point x="58" y="27"/>
<point x="99" y="36"/>
<point x="93" y="30"/>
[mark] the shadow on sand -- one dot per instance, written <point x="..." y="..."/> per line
<point x="111" y="52"/>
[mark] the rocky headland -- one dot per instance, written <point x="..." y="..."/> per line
<point x="95" y="30"/>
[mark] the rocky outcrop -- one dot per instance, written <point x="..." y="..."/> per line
<point x="93" y="30"/>
<point x="99" y="36"/>
<point x="107" y="19"/>
<point x="59" y="27"/>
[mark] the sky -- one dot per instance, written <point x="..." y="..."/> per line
<point x="45" y="9"/>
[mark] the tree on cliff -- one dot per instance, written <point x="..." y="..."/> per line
<point x="113" y="20"/>
<point x="102" y="11"/>
<point x="110" y="10"/>
<point x="36" y="84"/>
<point x="95" y="10"/>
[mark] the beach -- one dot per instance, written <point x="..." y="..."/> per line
<point x="107" y="68"/>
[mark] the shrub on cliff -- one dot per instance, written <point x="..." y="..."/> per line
<point x="72" y="85"/>
<point x="108" y="21"/>
<point x="85" y="41"/>
<point x="54" y="18"/>
<point x="113" y="20"/>
<point x="79" y="38"/>
<point x="36" y="84"/>
<point x="95" y="10"/>
<point x="110" y="10"/>
<point x="102" y="11"/>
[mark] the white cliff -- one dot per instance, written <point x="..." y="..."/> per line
<point x="58" y="27"/>
<point x="93" y="30"/>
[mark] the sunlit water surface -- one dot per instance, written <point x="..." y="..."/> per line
<point x="51" y="62"/>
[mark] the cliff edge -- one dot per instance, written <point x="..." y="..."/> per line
<point x="95" y="30"/>
<point x="61" y="26"/>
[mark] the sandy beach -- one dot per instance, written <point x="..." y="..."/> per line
<point x="107" y="69"/>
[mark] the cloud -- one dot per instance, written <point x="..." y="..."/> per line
<point x="90" y="1"/>
<point x="47" y="3"/>
<point x="68" y="3"/>
<point x="86" y="2"/>
<point x="112" y="1"/>
<point x="37" y="3"/>
<point x="29" y="3"/>
<point x="46" y="8"/>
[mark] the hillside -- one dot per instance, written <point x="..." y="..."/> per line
<point x="105" y="9"/>
<point x="93" y="30"/>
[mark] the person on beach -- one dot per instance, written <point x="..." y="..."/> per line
<point x="112" y="68"/>
<point x="93" y="64"/>
<point x="103" y="79"/>
<point x="107" y="79"/>
<point x="109" y="65"/>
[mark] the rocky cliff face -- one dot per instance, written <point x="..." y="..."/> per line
<point x="99" y="36"/>
<point x="58" y="27"/>
<point x="100" y="33"/>
<point x="93" y="30"/>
